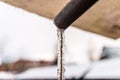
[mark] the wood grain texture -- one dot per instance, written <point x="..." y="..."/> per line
<point x="103" y="18"/>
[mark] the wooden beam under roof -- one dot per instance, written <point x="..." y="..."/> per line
<point x="103" y="18"/>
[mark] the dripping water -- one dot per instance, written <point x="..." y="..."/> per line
<point x="60" y="52"/>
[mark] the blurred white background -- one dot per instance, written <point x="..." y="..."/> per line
<point x="27" y="36"/>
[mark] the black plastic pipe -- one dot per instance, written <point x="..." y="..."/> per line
<point x="73" y="10"/>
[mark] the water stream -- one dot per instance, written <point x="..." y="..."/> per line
<point x="60" y="51"/>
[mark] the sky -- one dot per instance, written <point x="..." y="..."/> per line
<point x="25" y="35"/>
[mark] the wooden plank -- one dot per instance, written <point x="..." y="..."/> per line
<point x="103" y="18"/>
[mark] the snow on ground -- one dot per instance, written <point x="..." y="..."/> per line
<point x="106" y="69"/>
<point x="49" y="72"/>
<point x="7" y="76"/>
<point x="72" y="71"/>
